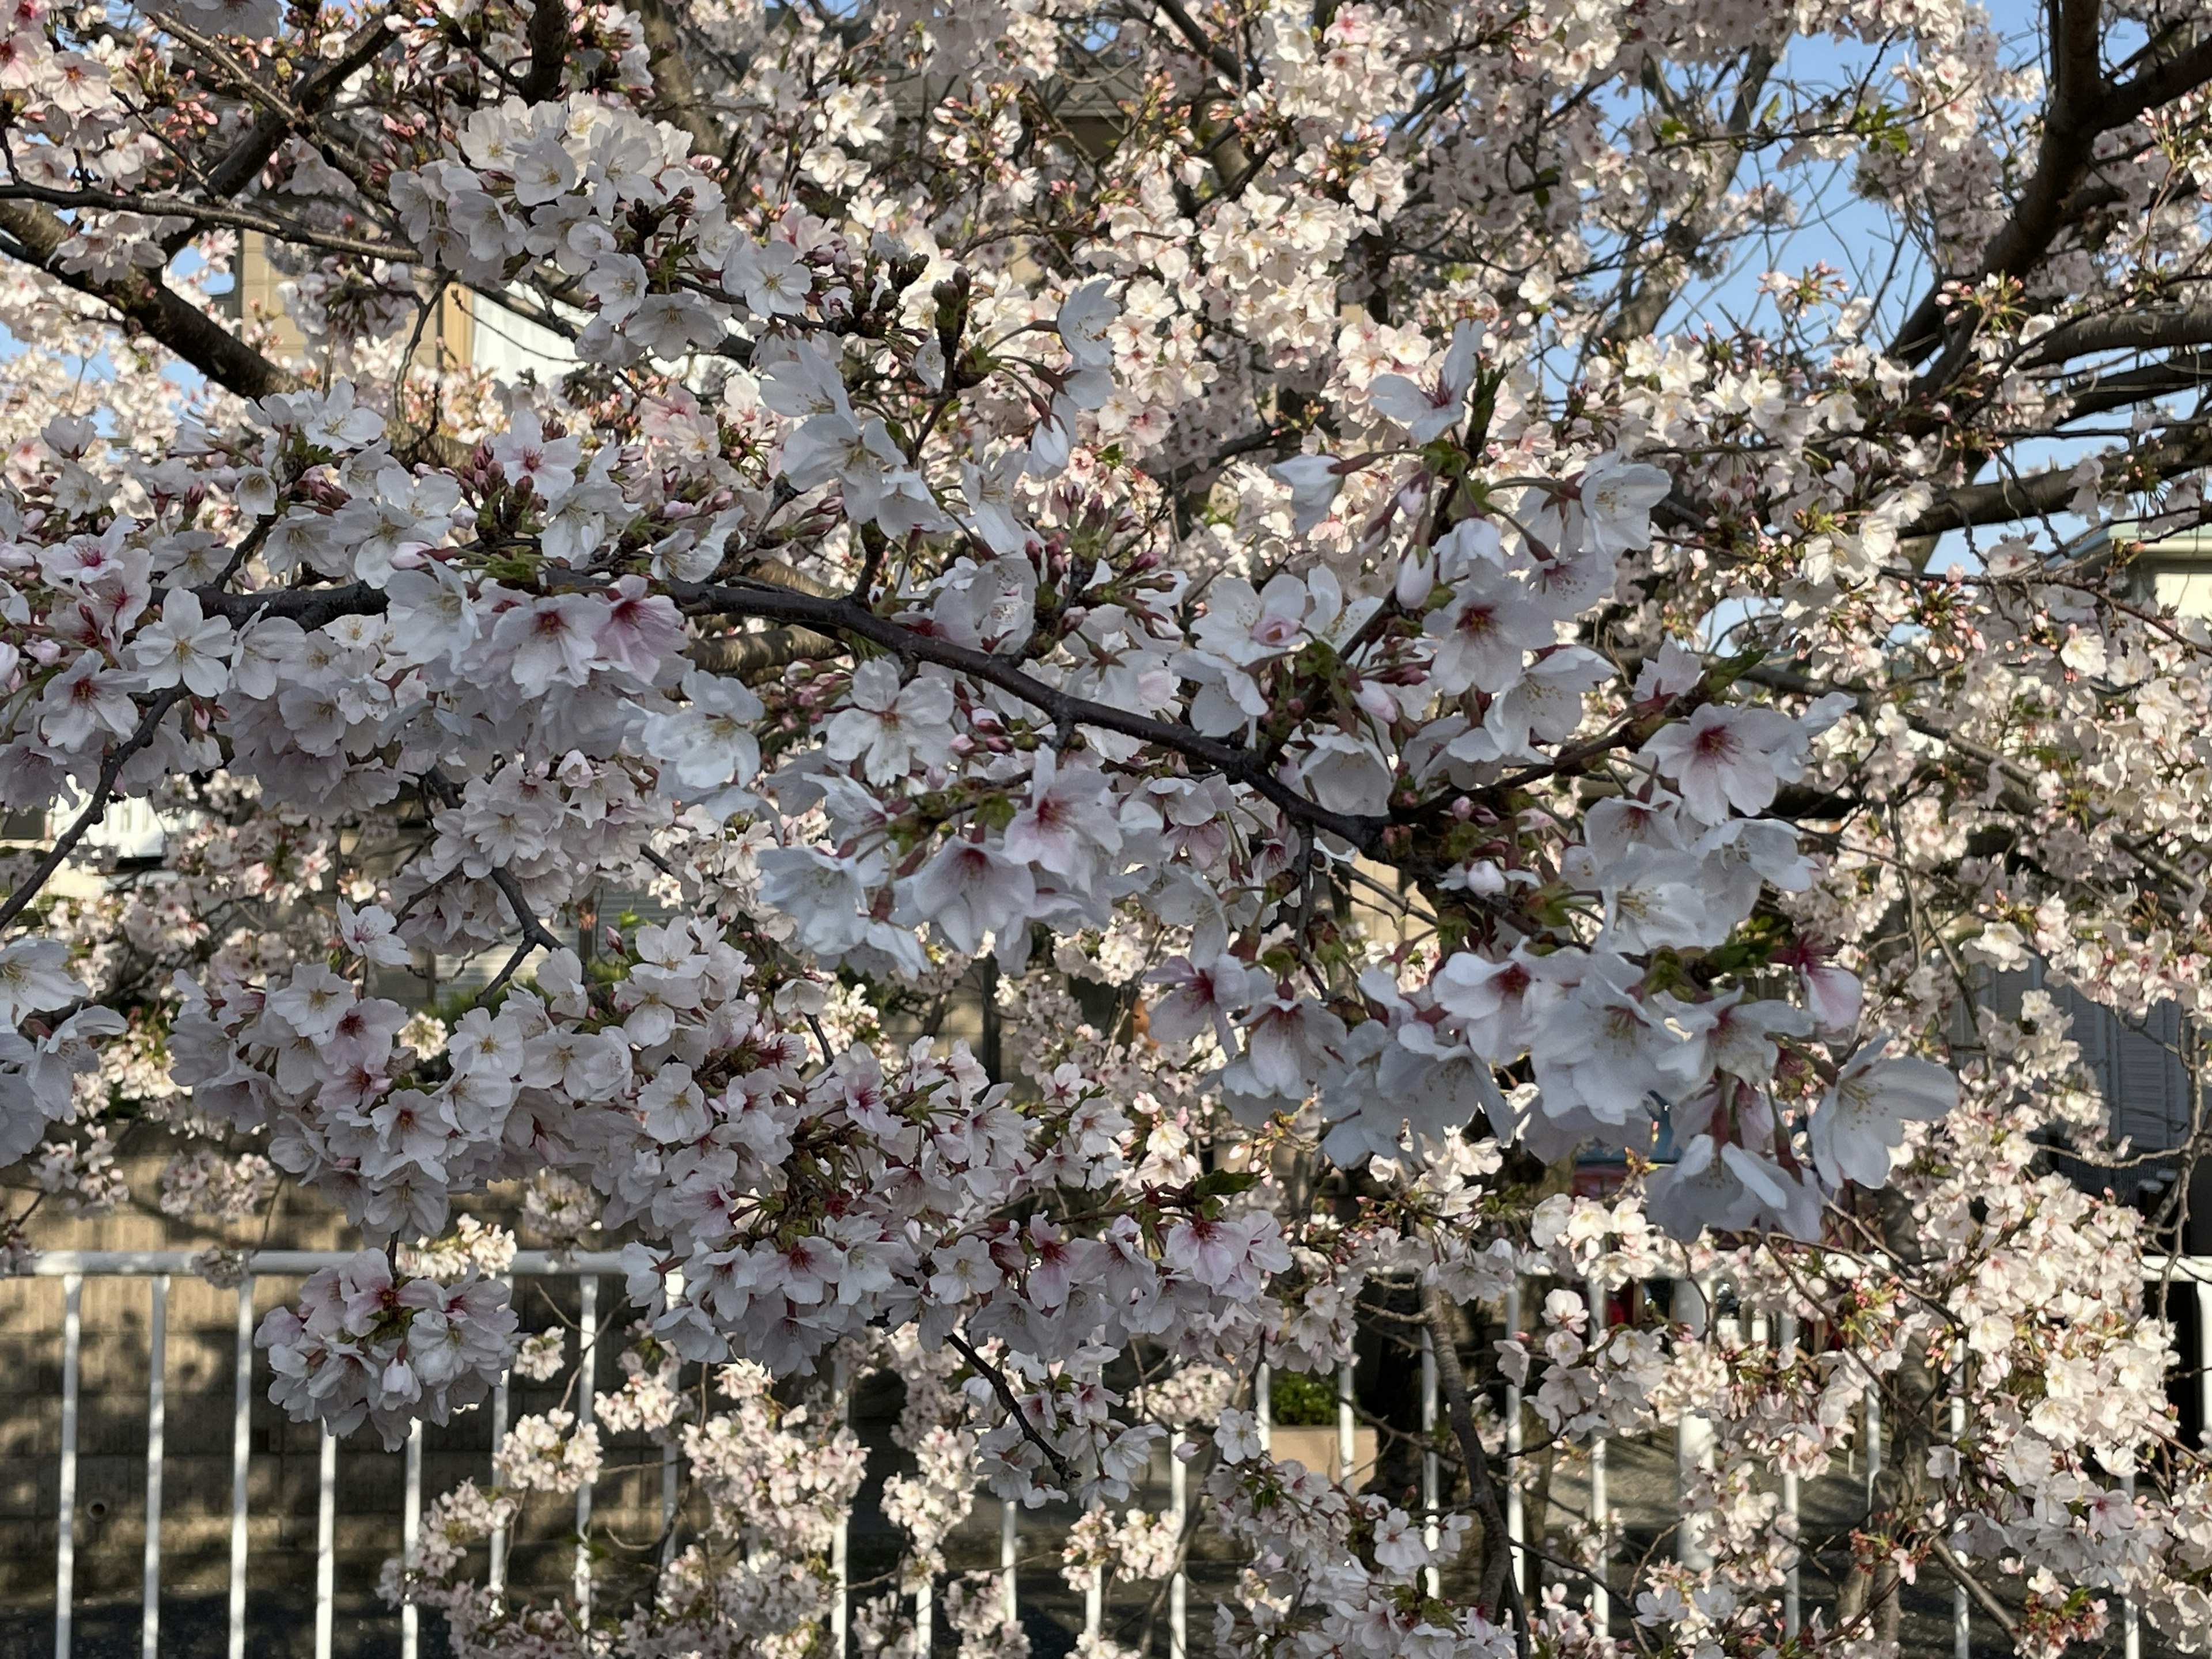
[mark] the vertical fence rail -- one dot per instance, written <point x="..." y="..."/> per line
<point x="1692" y="1308"/>
<point x="1347" y="1446"/>
<point x="410" y="1535"/>
<point x="326" y="1556"/>
<point x="587" y="1350"/>
<point x="495" y="1545"/>
<point x="1793" y="1611"/>
<point x="841" y="1541"/>
<point x="1515" y="1524"/>
<point x="1600" y="1511"/>
<point x="1178" y="1517"/>
<point x="1094" y="1607"/>
<point x="65" y="1528"/>
<point x="1431" y="1533"/>
<point x="1873" y="1441"/>
<point x="1962" y="1612"/>
<point x="242" y="1457"/>
<point x="157" y="1412"/>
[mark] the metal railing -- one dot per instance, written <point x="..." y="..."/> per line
<point x="1692" y="1303"/>
<point x="73" y="1268"/>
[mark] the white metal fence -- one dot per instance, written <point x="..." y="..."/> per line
<point x="72" y="1268"/>
<point x="1693" y="1304"/>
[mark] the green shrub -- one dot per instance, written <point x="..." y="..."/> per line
<point x="1298" y="1401"/>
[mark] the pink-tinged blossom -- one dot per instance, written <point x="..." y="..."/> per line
<point x="1724" y="758"/>
<point x="969" y="889"/>
<point x="1201" y="997"/>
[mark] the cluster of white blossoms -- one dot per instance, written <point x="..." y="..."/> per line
<point x="362" y="1346"/>
<point x="1290" y="595"/>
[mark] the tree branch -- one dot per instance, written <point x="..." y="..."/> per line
<point x="2002" y="501"/>
<point x="2082" y="107"/>
<point x="835" y="617"/>
<point x="549" y="51"/>
<point x="94" y="809"/>
<point x="310" y="95"/>
<point x="1001" y="1388"/>
<point x="177" y="207"/>
<point x="1984" y="1597"/>
<point x="143" y="302"/>
<point x="1686" y="231"/>
<point x="671" y="79"/>
<point x="2163" y="329"/>
<point x="1499" y="1580"/>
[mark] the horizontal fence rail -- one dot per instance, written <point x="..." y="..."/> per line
<point x="1692" y="1305"/>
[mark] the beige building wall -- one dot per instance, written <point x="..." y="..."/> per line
<point x="258" y="297"/>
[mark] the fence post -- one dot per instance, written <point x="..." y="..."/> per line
<point x="1514" y="1524"/>
<point x="1344" y="1448"/>
<point x="496" y="1578"/>
<point x="241" y="1452"/>
<point x="588" y="1350"/>
<point x="1094" y="1604"/>
<point x="1601" y="1504"/>
<point x="841" y="1568"/>
<point x="1693" y="1436"/>
<point x="1962" y="1612"/>
<point x="670" y="1474"/>
<point x="1179" y="1583"/>
<point x="411" y="1535"/>
<point x="1263" y="1404"/>
<point x="2130" y="1615"/>
<point x="65" y="1540"/>
<point x="1793" y="1613"/>
<point x="326" y="1566"/>
<point x="157" y="1409"/>
<point x="1873" y="1438"/>
<point x="1430" y="1534"/>
<point x="1010" y="1523"/>
<point x="2203" y="1352"/>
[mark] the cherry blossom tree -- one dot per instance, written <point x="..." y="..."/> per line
<point x="1350" y="538"/>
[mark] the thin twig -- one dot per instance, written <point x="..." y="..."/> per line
<point x="1005" y="1393"/>
<point x="94" y="809"/>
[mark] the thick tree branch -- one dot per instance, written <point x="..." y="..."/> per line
<point x="2160" y="329"/>
<point x="676" y="96"/>
<point x="1687" y="232"/>
<point x="549" y="51"/>
<point x="1501" y="1584"/>
<point x="2082" y="107"/>
<point x="177" y="207"/>
<point x="242" y="164"/>
<point x="2097" y="393"/>
<point x="145" y="303"/>
<point x="2005" y="500"/>
<point x="1202" y="43"/>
